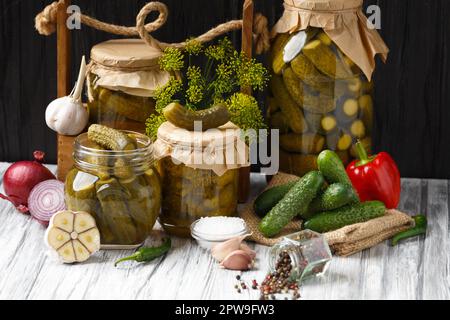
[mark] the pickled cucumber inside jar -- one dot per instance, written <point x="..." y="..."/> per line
<point x="324" y="99"/>
<point x="122" y="81"/>
<point x="121" y="191"/>
<point x="189" y="194"/>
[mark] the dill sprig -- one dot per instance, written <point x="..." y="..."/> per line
<point x="225" y="71"/>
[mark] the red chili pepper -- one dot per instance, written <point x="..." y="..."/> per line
<point x="375" y="178"/>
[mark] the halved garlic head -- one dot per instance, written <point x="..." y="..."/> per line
<point x="73" y="235"/>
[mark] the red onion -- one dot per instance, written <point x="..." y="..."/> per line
<point x="21" y="177"/>
<point x="46" y="199"/>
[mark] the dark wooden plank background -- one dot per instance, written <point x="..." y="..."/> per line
<point x="412" y="92"/>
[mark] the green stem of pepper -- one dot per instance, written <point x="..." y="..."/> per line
<point x="419" y="229"/>
<point x="146" y="254"/>
<point x="362" y="155"/>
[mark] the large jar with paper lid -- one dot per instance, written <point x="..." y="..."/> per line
<point x="123" y="76"/>
<point x="322" y="60"/>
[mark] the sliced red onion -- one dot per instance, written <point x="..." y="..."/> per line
<point x="46" y="199"/>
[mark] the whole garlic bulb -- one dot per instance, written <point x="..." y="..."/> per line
<point x="67" y="115"/>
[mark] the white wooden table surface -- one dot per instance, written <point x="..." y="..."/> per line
<point x="416" y="269"/>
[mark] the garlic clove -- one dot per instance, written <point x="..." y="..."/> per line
<point x="67" y="253"/>
<point x="221" y="250"/>
<point x="81" y="253"/>
<point x="64" y="221"/>
<point x="237" y="260"/>
<point x="83" y="221"/>
<point x="246" y="248"/>
<point x="90" y="239"/>
<point x="58" y="237"/>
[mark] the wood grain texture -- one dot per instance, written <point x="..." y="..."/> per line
<point x="412" y="95"/>
<point x="416" y="269"/>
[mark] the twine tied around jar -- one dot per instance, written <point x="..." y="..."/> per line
<point x="45" y="24"/>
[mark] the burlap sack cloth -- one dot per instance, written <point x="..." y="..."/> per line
<point x="344" y="242"/>
<point x="218" y="149"/>
<point x="343" y="21"/>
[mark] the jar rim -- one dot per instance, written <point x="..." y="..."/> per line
<point x="78" y="143"/>
<point x="134" y="158"/>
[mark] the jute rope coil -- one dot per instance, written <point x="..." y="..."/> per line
<point x="45" y="24"/>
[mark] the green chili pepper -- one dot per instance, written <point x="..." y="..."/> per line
<point x="418" y="229"/>
<point x="146" y="254"/>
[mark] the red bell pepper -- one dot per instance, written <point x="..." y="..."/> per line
<point x="375" y="178"/>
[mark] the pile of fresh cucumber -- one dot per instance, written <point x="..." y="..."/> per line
<point x="326" y="199"/>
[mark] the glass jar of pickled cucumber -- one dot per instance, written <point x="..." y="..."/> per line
<point x="122" y="80"/>
<point x="200" y="174"/>
<point x="320" y="91"/>
<point x="121" y="189"/>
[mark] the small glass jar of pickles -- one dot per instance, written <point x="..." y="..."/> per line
<point x="320" y="90"/>
<point x="118" y="187"/>
<point x="199" y="176"/>
<point x="122" y="79"/>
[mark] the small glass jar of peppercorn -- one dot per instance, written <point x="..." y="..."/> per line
<point x="300" y="256"/>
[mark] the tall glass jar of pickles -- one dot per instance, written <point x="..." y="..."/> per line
<point x="320" y="92"/>
<point x="200" y="174"/>
<point x="120" y="189"/>
<point x="123" y="77"/>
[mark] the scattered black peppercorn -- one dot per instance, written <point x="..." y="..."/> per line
<point x="278" y="281"/>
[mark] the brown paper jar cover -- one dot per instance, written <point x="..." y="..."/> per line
<point x="343" y="21"/>
<point x="218" y="149"/>
<point x="127" y="65"/>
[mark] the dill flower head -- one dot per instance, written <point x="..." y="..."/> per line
<point x="221" y="51"/>
<point x="196" y="85"/>
<point x="193" y="47"/>
<point x="245" y="112"/>
<point x="223" y="83"/>
<point x="165" y="94"/>
<point x="152" y="124"/>
<point x="171" y="60"/>
<point x="249" y="72"/>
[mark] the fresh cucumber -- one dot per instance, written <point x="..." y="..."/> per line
<point x="269" y="198"/>
<point x="295" y="202"/>
<point x="333" y="170"/>
<point x="335" y="196"/>
<point x="339" y="218"/>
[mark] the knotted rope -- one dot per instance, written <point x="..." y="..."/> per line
<point x="45" y="24"/>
